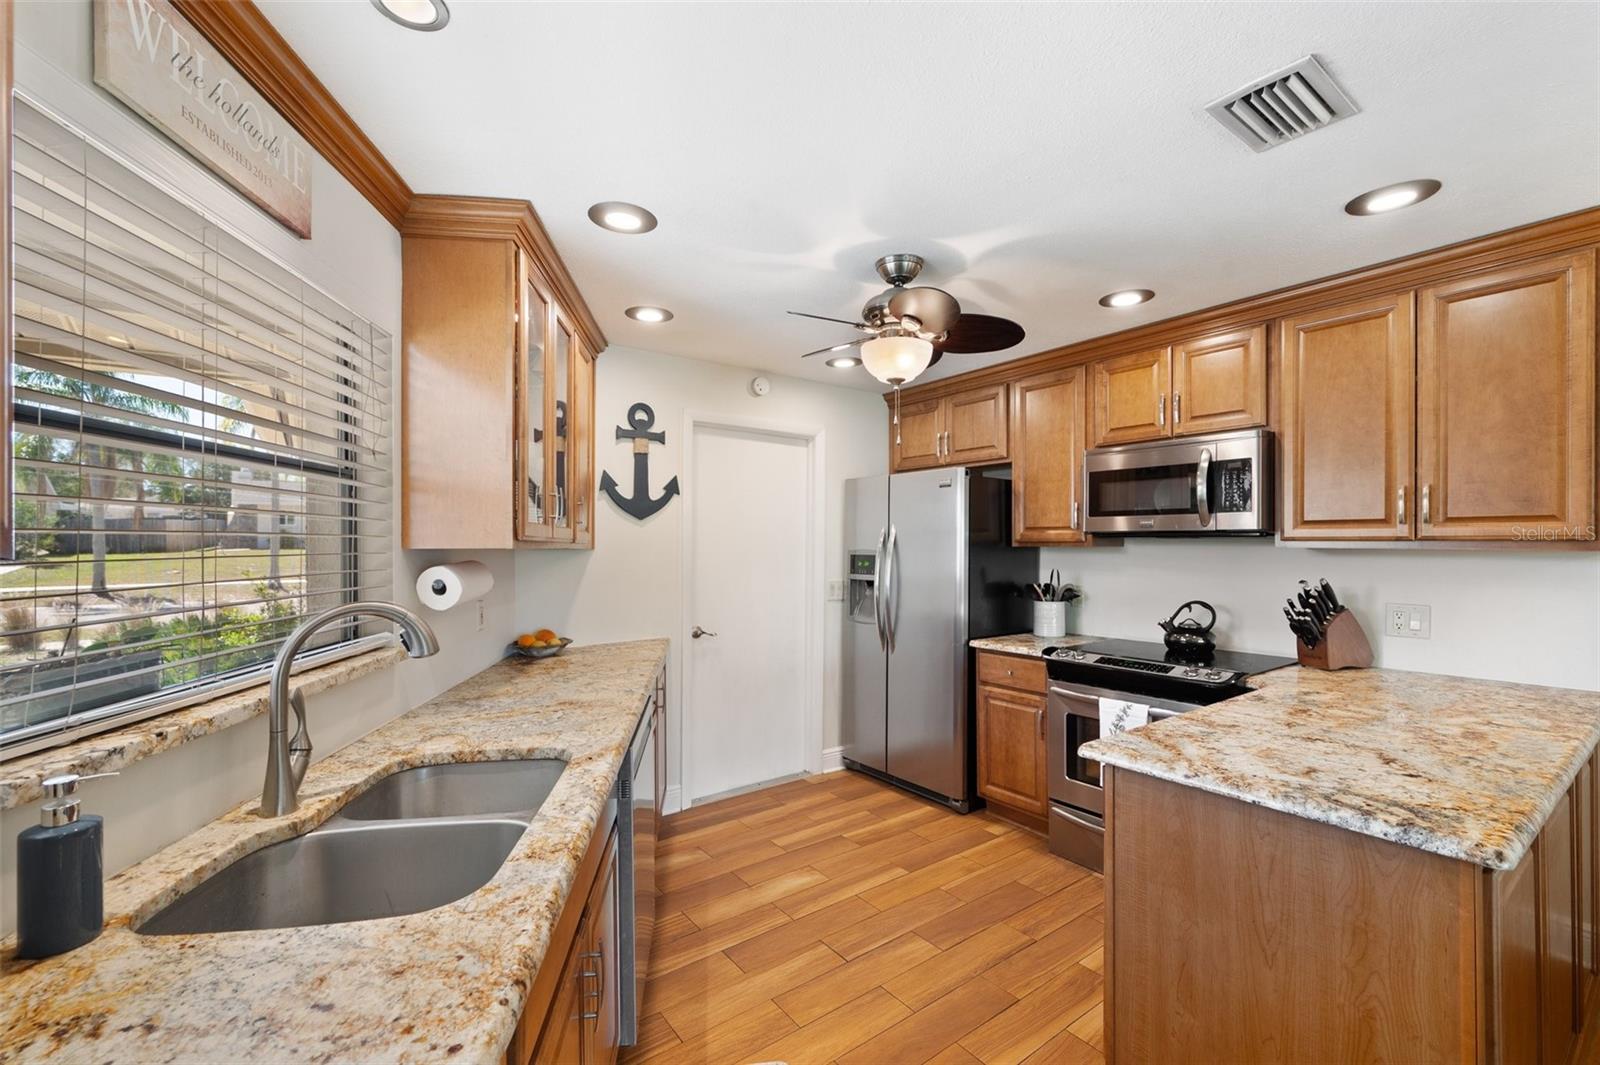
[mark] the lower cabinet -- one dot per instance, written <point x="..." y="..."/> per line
<point x="1010" y="713"/>
<point x="1543" y="960"/>
<point x="574" y="1017"/>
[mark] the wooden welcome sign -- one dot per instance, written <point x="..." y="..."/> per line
<point x="153" y="59"/>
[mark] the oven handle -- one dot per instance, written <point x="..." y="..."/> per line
<point x="1077" y="817"/>
<point x="1202" y="488"/>
<point x="1069" y="696"/>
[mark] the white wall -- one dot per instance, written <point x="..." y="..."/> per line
<point x="1499" y="614"/>
<point x="630" y="586"/>
<point x="354" y="254"/>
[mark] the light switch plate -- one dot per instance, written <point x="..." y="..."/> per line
<point x="836" y="591"/>
<point x="1411" y="621"/>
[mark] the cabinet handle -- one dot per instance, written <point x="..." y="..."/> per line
<point x="1074" y="514"/>
<point x="1177" y="407"/>
<point x="1427" y="505"/>
<point x="1161" y="411"/>
<point x="1041" y="726"/>
<point x="582" y="524"/>
<point x="1400" y="506"/>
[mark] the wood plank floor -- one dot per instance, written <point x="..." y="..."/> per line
<point x="836" y="919"/>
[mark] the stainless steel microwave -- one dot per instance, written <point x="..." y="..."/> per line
<point x="1214" y="484"/>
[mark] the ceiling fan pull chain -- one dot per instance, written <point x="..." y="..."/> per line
<point x="897" y="414"/>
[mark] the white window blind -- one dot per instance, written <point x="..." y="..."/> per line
<point x="200" y="450"/>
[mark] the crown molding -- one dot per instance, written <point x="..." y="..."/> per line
<point x="487" y="218"/>
<point x="1552" y="235"/>
<point x="243" y="34"/>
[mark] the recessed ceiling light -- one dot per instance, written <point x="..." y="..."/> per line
<point x="844" y="362"/>
<point x="622" y="217"/>
<point x="1393" y="197"/>
<point x="415" y="14"/>
<point x="652" y="315"/>
<point x="1130" y="297"/>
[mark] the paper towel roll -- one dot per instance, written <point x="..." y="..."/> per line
<point x="442" y="587"/>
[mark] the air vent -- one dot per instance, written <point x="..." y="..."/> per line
<point x="1284" y="105"/>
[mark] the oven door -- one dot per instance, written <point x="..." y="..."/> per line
<point x="1074" y="712"/>
<point x="1207" y="484"/>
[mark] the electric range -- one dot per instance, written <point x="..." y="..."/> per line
<point x="1085" y="677"/>
<point x="1142" y="668"/>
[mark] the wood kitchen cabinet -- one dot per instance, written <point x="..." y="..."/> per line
<point x="1130" y="397"/>
<point x="1376" y="951"/>
<point x="498" y="382"/>
<point x="1205" y="384"/>
<point x="555" y="393"/>
<point x="1506" y="403"/>
<point x="1010" y="701"/>
<point x="1047" y="443"/>
<point x="967" y="428"/>
<point x="574" y="1017"/>
<point x="1347" y="424"/>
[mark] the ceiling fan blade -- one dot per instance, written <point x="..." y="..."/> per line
<point x="975" y="333"/>
<point x="935" y="308"/>
<point x="825" y="318"/>
<point x="836" y="348"/>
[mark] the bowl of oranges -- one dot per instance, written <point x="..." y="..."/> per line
<point x="541" y="644"/>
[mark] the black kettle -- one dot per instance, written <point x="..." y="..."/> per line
<point x="1188" y="639"/>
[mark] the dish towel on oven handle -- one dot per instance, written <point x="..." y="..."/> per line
<point x="1119" y="715"/>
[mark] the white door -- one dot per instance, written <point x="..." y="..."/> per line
<point x="748" y="689"/>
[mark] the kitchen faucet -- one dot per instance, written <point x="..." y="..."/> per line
<point x="287" y="759"/>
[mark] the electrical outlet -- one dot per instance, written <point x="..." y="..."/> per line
<point x="836" y="591"/>
<point x="1413" y="621"/>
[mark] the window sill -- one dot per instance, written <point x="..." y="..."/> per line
<point x="20" y="779"/>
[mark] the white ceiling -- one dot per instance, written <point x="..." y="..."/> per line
<point x="1038" y="156"/>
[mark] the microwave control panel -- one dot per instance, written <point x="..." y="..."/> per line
<point x="1233" y="476"/>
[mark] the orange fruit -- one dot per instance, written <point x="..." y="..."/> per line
<point x="546" y="635"/>
<point x="526" y="640"/>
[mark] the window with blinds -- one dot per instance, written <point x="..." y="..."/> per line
<point x="199" y="447"/>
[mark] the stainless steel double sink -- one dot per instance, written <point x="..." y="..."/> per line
<point x="417" y="839"/>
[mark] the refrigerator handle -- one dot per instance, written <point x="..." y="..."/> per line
<point x="889" y="594"/>
<point x="880" y="589"/>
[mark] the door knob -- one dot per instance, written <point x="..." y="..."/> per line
<point x="699" y="632"/>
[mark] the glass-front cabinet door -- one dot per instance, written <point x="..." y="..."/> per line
<point x="560" y="453"/>
<point x="582" y="423"/>
<point x="533" y="377"/>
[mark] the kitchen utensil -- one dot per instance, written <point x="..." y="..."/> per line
<point x="1188" y="639"/>
<point x="1328" y="596"/>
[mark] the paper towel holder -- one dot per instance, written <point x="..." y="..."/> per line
<point x="447" y="586"/>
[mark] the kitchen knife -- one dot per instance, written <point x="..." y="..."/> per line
<point x="1331" y="599"/>
<point x="1313" y="608"/>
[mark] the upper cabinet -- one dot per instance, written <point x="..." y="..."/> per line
<point x="1346" y="378"/>
<point x="555" y="394"/>
<point x="967" y="428"/>
<point x="1505" y="403"/>
<point x="498" y="382"/>
<point x="1047" y="443"/>
<point x="1219" y="382"/>
<point x="1205" y="384"/>
<point x="1491" y="375"/>
<point x="1130" y="396"/>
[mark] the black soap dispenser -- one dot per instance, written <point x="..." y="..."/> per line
<point x="60" y="873"/>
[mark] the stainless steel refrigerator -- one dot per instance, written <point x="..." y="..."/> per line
<point x="930" y="567"/>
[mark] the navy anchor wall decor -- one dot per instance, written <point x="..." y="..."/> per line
<point x="639" y="505"/>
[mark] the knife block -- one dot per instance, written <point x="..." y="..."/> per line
<point x="1343" y="646"/>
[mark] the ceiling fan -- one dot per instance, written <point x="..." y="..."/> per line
<point x="910" y="329"/>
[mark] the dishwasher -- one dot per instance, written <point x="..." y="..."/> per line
<point x="640" y="787"/>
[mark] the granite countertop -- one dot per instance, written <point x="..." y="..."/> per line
<point x="1469" y="769"/>
<point x="1026" y="643"/>
<point x="447" y="983"/>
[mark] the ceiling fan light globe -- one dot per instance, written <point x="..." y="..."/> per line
<point x="896" y="360"/>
